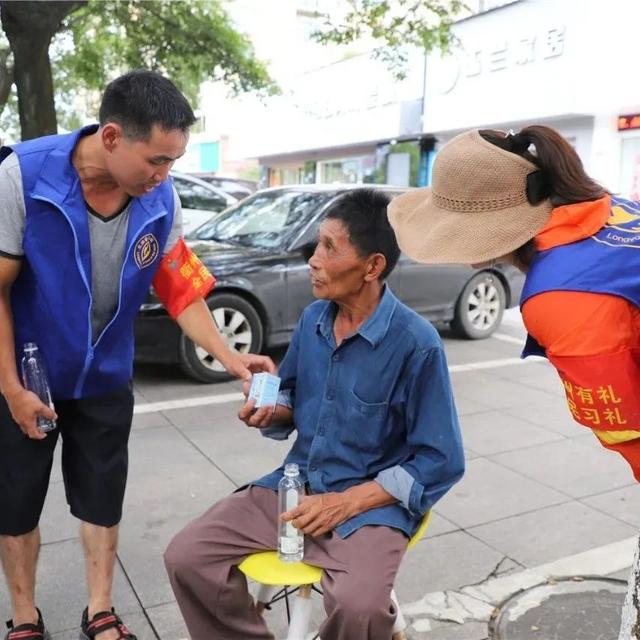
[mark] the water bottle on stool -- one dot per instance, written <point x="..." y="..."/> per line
<point x="290" y="539"/>
<point x="34" y="378"/>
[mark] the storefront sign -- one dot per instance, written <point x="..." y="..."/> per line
<point x="501" y="55"/>
<point x="629" y="122"/>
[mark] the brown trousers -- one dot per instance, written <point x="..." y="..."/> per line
<point x="212" y="593"/>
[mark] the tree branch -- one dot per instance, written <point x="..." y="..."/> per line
<point x="19" y="18"/>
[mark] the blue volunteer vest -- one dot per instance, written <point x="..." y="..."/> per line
<point x="607" y="262"/>
<point x="51" y="298"/>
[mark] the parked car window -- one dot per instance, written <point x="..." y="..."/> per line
<point x="196" y="196"/>
<point x="264" y="220"/>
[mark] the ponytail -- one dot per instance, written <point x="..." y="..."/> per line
<point x="560" y="167"/>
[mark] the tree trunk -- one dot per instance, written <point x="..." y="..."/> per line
<point x="29" y="27"/>
<point x="630" y="626"/>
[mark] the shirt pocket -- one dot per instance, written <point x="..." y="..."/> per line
<point x="366" y="425"/>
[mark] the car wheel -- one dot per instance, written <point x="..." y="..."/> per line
<point x="480" y="307"/>
<point x="240" y="327"/>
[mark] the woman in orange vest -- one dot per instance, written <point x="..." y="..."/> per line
<point x="525" y="199"/>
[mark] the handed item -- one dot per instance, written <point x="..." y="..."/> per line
<point x="264" y="389"/>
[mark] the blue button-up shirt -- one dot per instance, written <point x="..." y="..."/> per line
<point x="377" y="407"/>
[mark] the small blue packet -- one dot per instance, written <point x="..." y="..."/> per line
<point x="264" y="389"/>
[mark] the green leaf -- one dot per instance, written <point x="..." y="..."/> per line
<point x="190" y="41"/>
<point x="394" y="27"/>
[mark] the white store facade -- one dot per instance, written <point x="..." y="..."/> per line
<point x="563" y="63"/>
<point x="344" y="122"/>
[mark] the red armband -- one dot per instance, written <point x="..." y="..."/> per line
<point x="181" y="278"/>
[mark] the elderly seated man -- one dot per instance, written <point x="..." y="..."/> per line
<point x="365" y="385"/>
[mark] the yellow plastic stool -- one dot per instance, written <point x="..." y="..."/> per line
<point x="266" y="568"/>
<point x="270" y="573"/>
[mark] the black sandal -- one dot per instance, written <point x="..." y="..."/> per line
<point x="28" y="631"/>
<point x="102" y="621"/>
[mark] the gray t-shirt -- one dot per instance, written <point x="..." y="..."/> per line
<point x="107" y="237"/>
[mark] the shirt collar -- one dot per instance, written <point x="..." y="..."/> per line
<point x="373" y="329"/>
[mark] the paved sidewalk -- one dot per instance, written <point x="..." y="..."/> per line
<point x="538" y="489"/>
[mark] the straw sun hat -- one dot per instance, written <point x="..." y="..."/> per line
<point x="476" y="209"/>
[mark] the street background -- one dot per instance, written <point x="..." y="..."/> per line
<point x="541" y="499"/>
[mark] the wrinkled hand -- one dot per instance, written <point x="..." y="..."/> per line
<point x="242" y="365"/>
<point x="321" y="513"/>
<point x="260" y="418"/>
<point x="25" y="407"/>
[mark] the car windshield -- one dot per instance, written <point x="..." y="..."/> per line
<point x="265" y="220"/>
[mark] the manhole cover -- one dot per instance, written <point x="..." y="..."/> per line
<point x="563" y="609"/>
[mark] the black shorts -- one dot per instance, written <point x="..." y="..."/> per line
<point x="95" y="435"/>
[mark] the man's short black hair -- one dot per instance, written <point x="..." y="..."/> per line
<point x="140" y="99"/>
<point x="364" y="214"/>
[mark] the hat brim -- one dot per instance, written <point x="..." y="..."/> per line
<point x="430" y="234"/>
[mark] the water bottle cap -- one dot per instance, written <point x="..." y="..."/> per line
<point x="30" y="347"/>
<point x="291" y="469"/>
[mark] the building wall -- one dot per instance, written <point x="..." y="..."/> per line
<point x="348" y="102"/>
<point x="563" y="63"/>
<point x="349" y="164"/>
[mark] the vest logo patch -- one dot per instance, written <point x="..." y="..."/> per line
<point x="146" y="250"/>
<point x="623" y="225"/>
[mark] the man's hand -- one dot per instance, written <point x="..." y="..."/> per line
<point x="198" y="324"/>
<point x="262" y="417"/>
<point x="259" y="418"/>
<point x="318" y="514"/>
<point x="25" y="407"/>
<point x="321" y="513"/>
<point x="242" y="365"/>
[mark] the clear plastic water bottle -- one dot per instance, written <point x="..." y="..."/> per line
<point x="290" y="540"/>
<point x="34" y="378"/>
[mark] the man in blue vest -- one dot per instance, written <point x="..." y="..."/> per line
<point x="89" y="222"/>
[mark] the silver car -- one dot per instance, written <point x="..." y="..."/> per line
<point x="199" y="200"/>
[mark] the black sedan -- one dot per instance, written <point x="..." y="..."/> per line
<point x="258" y="251"/>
